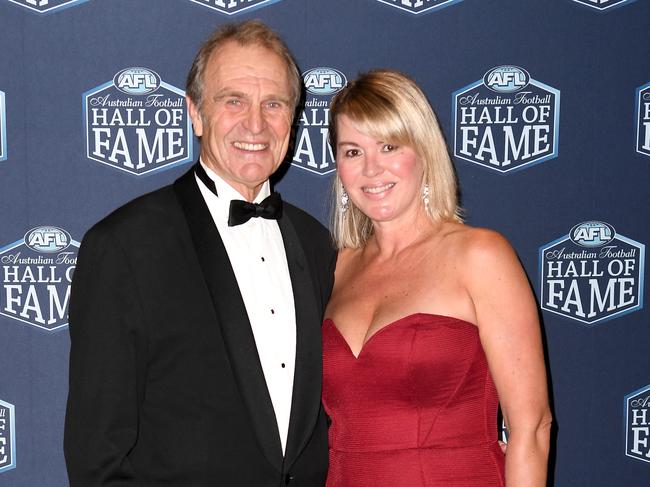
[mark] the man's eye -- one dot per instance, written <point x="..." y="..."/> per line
<point x="274" y="104"/>
<point x="233" y="101"/>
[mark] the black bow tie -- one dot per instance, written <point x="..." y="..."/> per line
<point x="241" y="211"/>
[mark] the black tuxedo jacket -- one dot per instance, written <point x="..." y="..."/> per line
<point x="166" y="387"/>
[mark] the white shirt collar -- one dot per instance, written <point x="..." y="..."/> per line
<point x="221" y="203"/>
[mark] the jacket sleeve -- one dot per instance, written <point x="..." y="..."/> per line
<point x="329" y="276"/>
<point x="107" y="366"/>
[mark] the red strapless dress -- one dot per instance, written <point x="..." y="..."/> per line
<point x="416" y="408"/>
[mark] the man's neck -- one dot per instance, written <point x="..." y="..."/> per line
<point x="246" y="193"/>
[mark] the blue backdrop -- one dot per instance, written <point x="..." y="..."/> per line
<point x="546" y="108"/>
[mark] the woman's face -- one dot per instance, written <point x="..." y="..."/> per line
<point x="382" y="179"/>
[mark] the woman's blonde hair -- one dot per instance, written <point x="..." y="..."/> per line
<point x="388" y="106"/>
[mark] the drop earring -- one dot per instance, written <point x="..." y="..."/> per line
<point x="344" y="203"/>
<point x="425" y="195"/>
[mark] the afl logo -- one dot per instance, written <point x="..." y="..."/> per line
<point x="47" y="239"/>
<point x="136" y="81"/>
<point x="506" y="79"/>
<point x="324" y="81"/>
<point x="592" y="234"/>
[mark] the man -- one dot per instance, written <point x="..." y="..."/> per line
<point x="195" y="357"/>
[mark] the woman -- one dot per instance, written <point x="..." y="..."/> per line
<point x="427" y="314"/>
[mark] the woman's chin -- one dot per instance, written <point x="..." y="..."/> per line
<point x="380" y="215"/>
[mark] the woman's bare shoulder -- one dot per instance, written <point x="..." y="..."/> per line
<point x="475" y="242"/>
<point x="465" y="238"/>
<point x="347" y="254"/>
<point x="346" y="258"/>
<point x="479" y="251"/>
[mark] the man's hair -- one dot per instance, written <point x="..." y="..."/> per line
<point x="389" y="106"/>
<point x="249" y="33"/>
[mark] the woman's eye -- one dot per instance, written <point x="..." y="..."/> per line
<point x="388" y="148"/>
<point x="351" y="153"/>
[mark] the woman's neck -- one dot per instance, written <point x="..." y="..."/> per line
<point x="393" y="237"/>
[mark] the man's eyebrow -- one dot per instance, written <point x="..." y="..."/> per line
<point x="281" y="98"/>
<point x="220" y="95"/>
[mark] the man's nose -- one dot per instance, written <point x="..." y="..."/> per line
<point x="255" y="121"/>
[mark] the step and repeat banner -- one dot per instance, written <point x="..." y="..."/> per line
<point x="546" y="109"/>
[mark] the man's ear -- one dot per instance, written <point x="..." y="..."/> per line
<point x="195" y="115"/>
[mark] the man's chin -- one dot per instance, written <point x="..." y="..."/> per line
<point x="254" y="171"/>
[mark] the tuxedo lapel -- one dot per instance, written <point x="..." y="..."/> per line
<point x="308" y="370"/>
<point x="231" y="316"/>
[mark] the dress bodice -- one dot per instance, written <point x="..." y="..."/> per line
<point x="420" y="384"/>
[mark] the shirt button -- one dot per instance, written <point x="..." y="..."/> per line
<point x="263" y="260"/>
<point x="283" y="366"/>
<point x="272" y="311"/>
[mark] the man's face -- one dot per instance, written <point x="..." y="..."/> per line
<point x="245" y="120"/>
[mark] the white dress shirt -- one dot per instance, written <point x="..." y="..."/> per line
<point x="257" y="255"/>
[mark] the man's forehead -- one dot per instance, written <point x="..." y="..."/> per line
<point x="233" y="54"/>
<point x="234" y="65"/>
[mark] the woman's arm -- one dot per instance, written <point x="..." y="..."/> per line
<point x="508" y="324"/>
